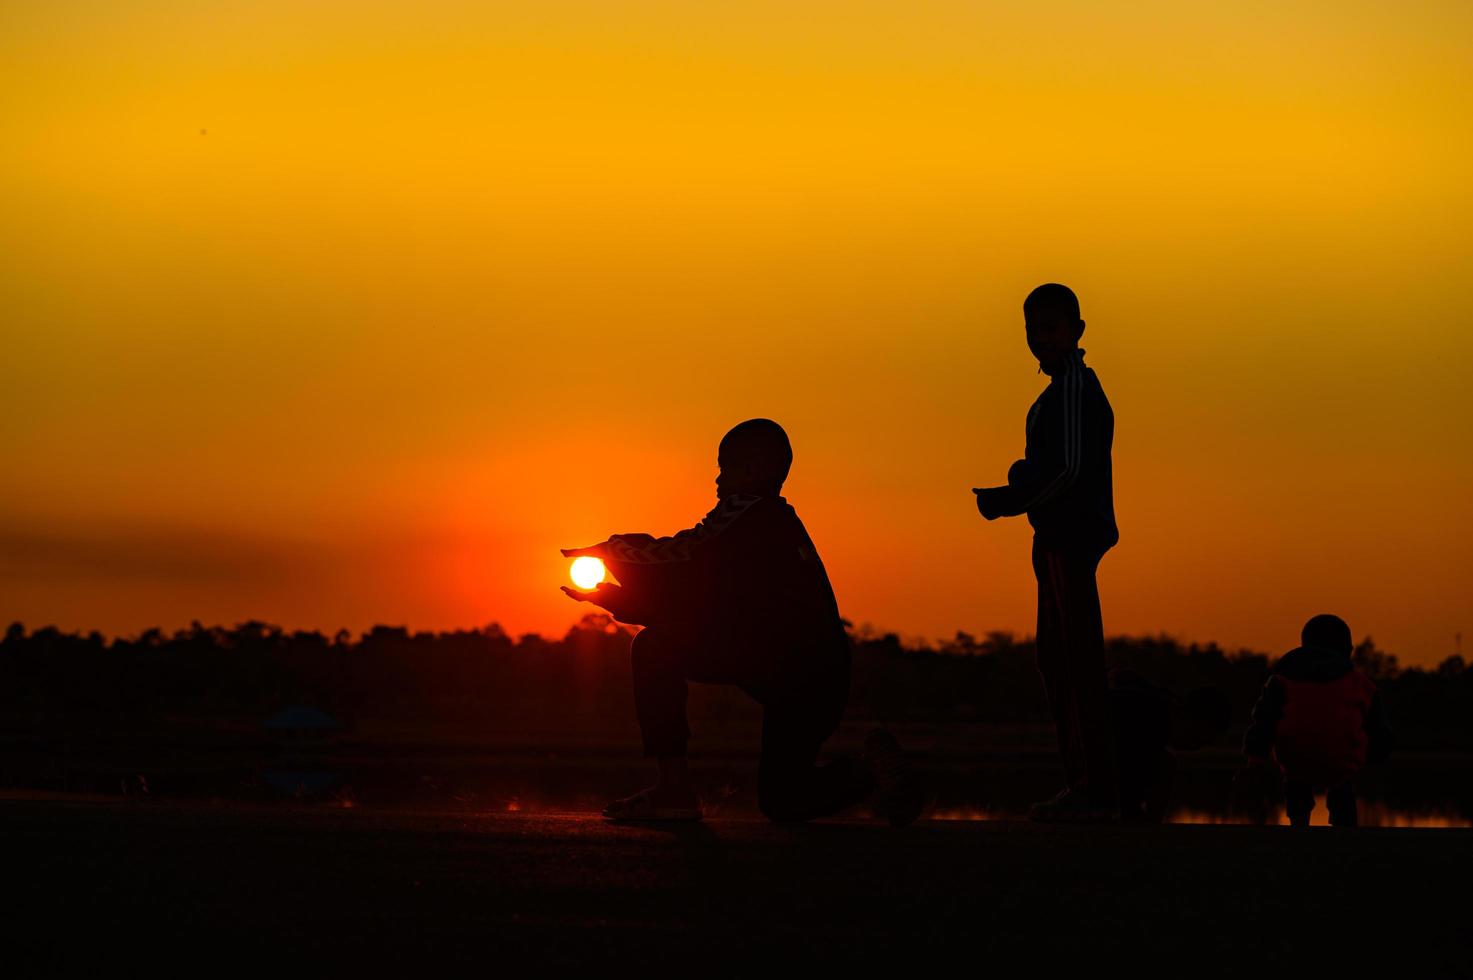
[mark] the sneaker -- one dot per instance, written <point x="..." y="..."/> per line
<point x="899" y="795"/>
<point x="1073" y="807"/>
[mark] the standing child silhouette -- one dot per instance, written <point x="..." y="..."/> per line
<point x="1063" y="484"/>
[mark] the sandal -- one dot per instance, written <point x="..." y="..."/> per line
<point x="641" y="808"/>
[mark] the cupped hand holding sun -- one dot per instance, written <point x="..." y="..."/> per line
<point x="590" y="577"/>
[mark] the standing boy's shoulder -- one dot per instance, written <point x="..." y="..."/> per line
<point x="1091" y="380"/>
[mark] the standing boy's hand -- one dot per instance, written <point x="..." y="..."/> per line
<point x="982" y="507"/>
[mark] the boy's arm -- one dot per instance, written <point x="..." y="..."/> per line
<point x="683" y="546"/>
<point x="676" y="576"/>
<point x="1258" y="741"/>
<point x="1026" y="485"/>
<point x="1033" y="483"/>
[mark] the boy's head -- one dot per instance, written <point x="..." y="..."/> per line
<point x="1051" y="317"/>
<point x="1328" y="632"/>
<point x="754" y="457"/>
<point x="1199" y="718"/>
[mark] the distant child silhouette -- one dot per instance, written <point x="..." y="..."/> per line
<point x="1321" y="719"/>
<point x="1063" y="483"/>
<point x="742" y="598"/>
<point x="1150" y="722"/>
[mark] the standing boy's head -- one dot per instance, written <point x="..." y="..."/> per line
<point x="754" y="457"/>
<point x="1051" y="317"/>
<point x="1328" y="632"/>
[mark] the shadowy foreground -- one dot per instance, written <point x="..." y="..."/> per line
<point x="144" y="885"/>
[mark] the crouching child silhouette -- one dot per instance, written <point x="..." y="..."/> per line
<point x="1320" y="718"/>
<point x="1151" y="723"/>
<point x="742" y="598"/>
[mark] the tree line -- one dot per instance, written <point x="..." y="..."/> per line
<point x="486" y="681"/>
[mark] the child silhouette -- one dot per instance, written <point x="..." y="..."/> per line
<point x="1320" y="718"/>
<point x="742" y="598"/>
<point x="1152" y="723"/>
<point x="1064" y="484"/>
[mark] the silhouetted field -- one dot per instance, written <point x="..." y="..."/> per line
<point x="416" y="802"/>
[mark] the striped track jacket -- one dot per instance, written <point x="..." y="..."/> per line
<point x="1063" y="482"/>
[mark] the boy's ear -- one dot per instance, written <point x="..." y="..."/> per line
<point x="1079" y="330"/>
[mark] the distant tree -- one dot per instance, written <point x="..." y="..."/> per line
<point x="1377" y="663"/>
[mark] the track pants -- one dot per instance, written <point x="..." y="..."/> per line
<point x="1071" y="660"/>
<point x="799" y="712"/>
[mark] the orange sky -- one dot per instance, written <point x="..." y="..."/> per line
<point x="340" y="313"/>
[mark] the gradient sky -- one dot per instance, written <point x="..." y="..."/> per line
<point x="338" y="313"/>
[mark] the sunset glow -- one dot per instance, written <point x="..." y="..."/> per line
<point x="304" y="302"/>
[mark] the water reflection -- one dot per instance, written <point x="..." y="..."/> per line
<point x="1371" y="814"/>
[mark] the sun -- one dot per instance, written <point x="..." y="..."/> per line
<point x="587" y="572"/>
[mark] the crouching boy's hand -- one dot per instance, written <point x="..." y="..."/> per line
<point x="607" y="596"/>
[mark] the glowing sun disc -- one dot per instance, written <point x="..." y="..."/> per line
<point x="587" y="572"/>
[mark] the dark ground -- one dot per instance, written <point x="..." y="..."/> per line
<point x="220" y="888"/>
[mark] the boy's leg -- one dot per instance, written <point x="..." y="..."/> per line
<point x="1084" y="632"/>
<point x="1069" y="604"/>
<point x="794" y="728"/>
<point x="660" y="693"/>
<point x="1049" y="642"/>
<point x="1340" y="801"/>
<point x="663" y="659"/>
<point x="789" y="786"/>
<point x="1298" y="801"/>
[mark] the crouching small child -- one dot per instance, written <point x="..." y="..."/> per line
<point x="1150" y="724"/>
<point x="1320" y="719"/>
<point x="743" y="599"/>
